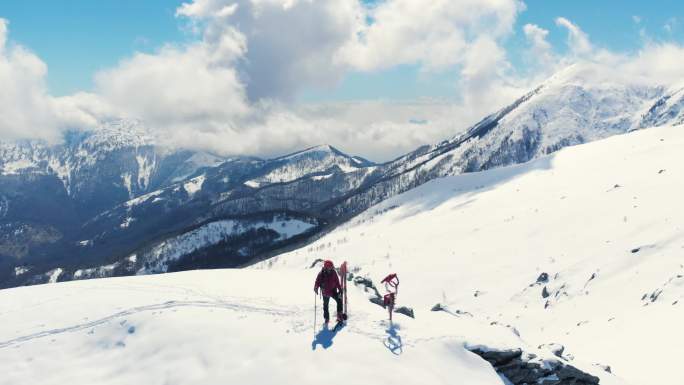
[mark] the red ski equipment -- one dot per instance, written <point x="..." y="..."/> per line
<point x="392" y="287"/>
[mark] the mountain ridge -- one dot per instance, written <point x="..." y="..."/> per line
<point x="324" y="186"/>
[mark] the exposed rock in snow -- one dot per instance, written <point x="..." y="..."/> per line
<point x="407" y="311"/>
<point x="520" y="369"/>
<point x="556" y="349"/>
<point x="543" y="278"/>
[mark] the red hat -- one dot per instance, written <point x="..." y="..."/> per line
<point x="328" y="264"/>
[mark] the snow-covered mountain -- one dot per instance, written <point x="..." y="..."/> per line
<point x="49" y="191"/>
<point x="118" y="154"/>
<point x="565" y="270"/>
<point x="568" y="109"/>
<point x="668" y="109"/>
<point x="159" y="196"/>
<point x="118" y="197"/>
<point x="581" y="248"/>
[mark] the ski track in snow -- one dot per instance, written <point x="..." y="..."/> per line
<point x="147" y="308"/>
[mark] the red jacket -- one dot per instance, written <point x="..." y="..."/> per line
<point x="329" y="282"/>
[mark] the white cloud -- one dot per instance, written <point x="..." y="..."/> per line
<point x="671" y="25"/>
<point x="26" y="108"/>
<point x="655" y="63"/>
<point x="435" y="34"/>
<point x="540" y="48"/>
<point x="486" y="78"/>
<point x="578" y="41"/>
<point x="378" y="130"/>
<point x="233" y="90"/>
<point x="177" y="88"/>
<point x="290" y="44"/>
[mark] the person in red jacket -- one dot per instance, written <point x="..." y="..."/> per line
<point x="329" y="283"/>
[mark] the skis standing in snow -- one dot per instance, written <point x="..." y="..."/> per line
<point x="392" y="286"/>
<point x="329" y="283"/>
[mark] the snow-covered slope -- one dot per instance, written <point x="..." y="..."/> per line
<point x="238" y="327"/>
<point x="317" y="159"/>
<point x="583" y="248"/>
<point x="569" y="108"/>
<point x="122" y="194"/>
<point x="668" y="109"/>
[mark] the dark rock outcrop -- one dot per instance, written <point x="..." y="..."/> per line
<point x="368" y="285"/>
<point x="407" y="311"/>
<point x="520" y="368"/>
<point x="543" y="278"/>
<point x="556" y="349"/>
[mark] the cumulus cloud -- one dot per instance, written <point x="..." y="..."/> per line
<point x="540" y="48"/>
<point x="435" y="34"/>
<point x="176" y="87"/>
<point x="233" y="89"/>
<point x="378" y="130"/>
<point x="26" y="108"/>
<point x="654" y="63"/>
<point x="290" y="44"/>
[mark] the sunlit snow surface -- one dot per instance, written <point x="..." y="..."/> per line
<point x="211" y="327"/>
<point x="604" y="220"/>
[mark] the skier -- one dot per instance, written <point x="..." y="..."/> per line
<point x="330" y="286"/>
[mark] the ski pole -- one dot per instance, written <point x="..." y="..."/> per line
<point x="315" y="313"/>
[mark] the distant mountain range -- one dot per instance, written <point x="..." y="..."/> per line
<point x="111" y="202"/>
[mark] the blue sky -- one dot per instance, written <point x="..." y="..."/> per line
<point x="76" y="38"/>
<point x="269" y="77"/>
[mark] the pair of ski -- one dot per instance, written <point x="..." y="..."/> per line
<point x="342" y="320"/>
